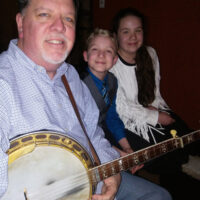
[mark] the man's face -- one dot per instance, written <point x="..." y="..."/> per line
<point x="47" y="31"/>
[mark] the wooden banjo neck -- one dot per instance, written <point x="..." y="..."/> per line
<point x="106" y="170"/>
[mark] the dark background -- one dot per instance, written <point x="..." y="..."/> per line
<point x="173" y="30"/>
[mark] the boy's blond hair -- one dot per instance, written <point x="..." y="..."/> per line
<point x="104" y="33"/>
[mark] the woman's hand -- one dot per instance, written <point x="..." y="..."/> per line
<point x="165" y="119"/>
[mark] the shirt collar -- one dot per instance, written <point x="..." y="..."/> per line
<point x="101" y="83"/>
<point x="126" y="63"/>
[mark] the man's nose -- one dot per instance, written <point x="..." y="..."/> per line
<point x="58" y="25"/>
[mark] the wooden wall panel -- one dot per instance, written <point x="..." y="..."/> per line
<point x="7" y="23"/>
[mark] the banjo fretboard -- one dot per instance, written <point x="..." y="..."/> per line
<point x="106" y="170"/>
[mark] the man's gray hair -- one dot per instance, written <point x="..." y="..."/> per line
<point x="22" y="5"/>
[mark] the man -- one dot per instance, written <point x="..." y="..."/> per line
<point x="32" y="95"/>
<point x="46" y="36"/>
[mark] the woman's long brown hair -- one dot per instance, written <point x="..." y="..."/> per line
<point x="145" y="77"/>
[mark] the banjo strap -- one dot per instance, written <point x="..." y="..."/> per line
<point x="73" y="102"/>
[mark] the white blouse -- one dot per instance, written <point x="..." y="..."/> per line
<point x="135" y="117"/>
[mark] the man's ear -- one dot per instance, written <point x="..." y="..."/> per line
<point x="85" y="56"/>
<point x="19" y="20"/>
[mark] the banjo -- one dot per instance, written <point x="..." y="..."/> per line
<point x="52" y="166"/>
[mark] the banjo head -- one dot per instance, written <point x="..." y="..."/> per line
<point x="48" y="165"/>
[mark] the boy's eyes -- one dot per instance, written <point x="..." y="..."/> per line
<point x="109" y="51"/>
<point x="94" y="49"/>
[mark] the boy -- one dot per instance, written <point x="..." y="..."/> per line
<point x="101" y="55"/>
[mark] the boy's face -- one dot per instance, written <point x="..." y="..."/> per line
<point x="101" y="55"/>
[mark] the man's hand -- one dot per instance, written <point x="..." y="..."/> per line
<point x="109" y="189"/>
<point x="126" y="152"/>
<point x="137" y="167"/>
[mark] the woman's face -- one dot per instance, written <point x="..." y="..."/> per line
<point x="130" y="35"/>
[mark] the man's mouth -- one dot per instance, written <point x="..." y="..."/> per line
<point x="55" y="41"/>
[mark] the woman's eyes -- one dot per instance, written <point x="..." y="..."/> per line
<point x="135" y="31"/>
<point x="125" y="32"/>
<point x="138" y="30"/>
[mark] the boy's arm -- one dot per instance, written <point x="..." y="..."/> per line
<point x="114" y="123"/>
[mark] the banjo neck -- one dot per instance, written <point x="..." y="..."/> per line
<point x="124" y="163"/>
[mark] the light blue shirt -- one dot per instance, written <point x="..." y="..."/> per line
<point x="31" y="101"/>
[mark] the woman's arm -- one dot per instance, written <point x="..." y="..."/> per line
<point x="159" y="102"/>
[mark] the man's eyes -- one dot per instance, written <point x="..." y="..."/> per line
<point x="65" y="19"/>
<point x="69" y="19"/>
<point x="43" y="15"/>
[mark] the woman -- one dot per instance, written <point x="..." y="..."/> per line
<point x="145" y="114"/>
<point x="139" y="102"/>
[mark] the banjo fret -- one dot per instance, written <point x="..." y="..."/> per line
<point x="187" y="139"/>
